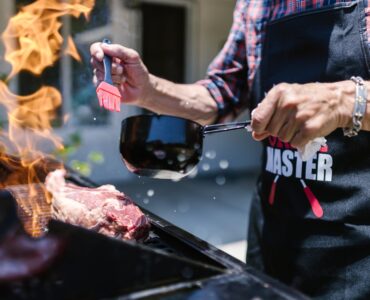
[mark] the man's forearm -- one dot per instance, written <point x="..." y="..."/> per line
<point x="190" y="101"/>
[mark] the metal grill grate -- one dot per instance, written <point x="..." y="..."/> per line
<point x="33" y="208"/>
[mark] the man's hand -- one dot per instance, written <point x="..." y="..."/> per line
<point x="298" y="113"/>
<point x="129" y="73"/>
<point x="138" y="87"/>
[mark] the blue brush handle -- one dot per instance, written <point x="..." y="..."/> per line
<point x="107" y="62"/>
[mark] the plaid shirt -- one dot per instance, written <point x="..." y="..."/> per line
<point x="230" y="75"/>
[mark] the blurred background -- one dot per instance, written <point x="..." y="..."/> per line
<point x="177" y="40"/>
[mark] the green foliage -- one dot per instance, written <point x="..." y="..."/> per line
<point x="82" y="167"/>
<point x="75" y="139"/>
<point x="70" y="148"/>
<point x="96" y="157"/>
<point x="66" y="152"/>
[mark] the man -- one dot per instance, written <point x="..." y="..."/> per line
<point x="291" y="63"/>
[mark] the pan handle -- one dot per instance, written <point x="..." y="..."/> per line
<point x="225" y="127"/>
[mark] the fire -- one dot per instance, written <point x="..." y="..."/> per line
<point x="32" y="39"/>
<point x="32" y="43"/>
<point x="71" y="49"/>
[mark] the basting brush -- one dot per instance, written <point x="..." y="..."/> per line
<point x="108" y="95"/>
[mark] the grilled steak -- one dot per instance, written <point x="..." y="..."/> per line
<point x="103" y="209"/>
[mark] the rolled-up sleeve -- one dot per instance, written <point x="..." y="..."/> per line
<point x="226" y="77"/>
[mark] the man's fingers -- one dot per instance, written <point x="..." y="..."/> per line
<point x="278" y="119"/>
<point x="289" y="127"/>
<point x="96" y="81"/>
<point x="262" y="114"/>
<point x="260" y="136"/>
<point x="96" y="51"/>
<point x="307" y="132"/>
<point x="127" y="55"/>
<point x="300" y="139"/>
<point x="120" y="54"/>
<point x="96" y="63"/>
<point x="117" y="69"/>
<point x="296" y="113"/>
<point x="287" y="131"/>
<point x="116" y="66"/>
<point x="118" y="79"/>
<point x="99" y="74"/>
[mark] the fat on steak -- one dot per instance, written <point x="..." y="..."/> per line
<point x="103" y="209"/>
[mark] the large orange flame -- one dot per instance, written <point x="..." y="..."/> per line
<point x="32" y="39"/>
<point x="32" y="43"/>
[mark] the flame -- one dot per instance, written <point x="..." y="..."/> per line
<point x="32" y="39"/>
<point x="32" y="43"/>
<point x="72" y="50"/>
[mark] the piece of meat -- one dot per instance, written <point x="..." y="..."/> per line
<point x="103" y="209"/>
<point x="22" y="256"/>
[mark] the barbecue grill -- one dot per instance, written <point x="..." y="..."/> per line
<point x="170" y="264"/>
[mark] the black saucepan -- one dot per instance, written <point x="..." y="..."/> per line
<point x="165" y="147"/>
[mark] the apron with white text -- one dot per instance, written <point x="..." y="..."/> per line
<point x="315" y="233"/>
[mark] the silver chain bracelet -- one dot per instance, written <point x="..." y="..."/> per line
<point x="359" y="109"/>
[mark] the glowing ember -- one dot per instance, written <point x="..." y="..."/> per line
<point x="32" y="43"/>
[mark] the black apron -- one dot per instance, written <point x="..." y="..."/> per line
<point x="314" y="226"/>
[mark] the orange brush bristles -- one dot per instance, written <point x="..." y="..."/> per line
<point x="109" y="96"/>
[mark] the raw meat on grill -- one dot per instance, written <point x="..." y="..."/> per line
<point x="103" y="209"/>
